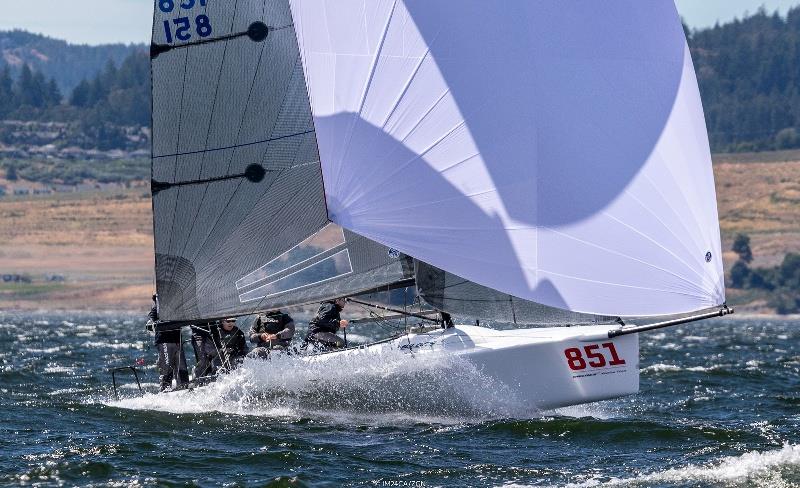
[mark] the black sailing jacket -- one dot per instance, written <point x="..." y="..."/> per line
<point x="327" y="319"/>
<point x="272" y="323"/>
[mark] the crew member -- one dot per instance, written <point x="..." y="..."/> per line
<point x="323" y="328"/>
<point x="232" y="344"/>
<point x="171" y="360"/>
<point x="205" y="349"/>
<point x="271" y="331"/>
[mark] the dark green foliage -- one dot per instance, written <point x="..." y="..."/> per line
<point x="785" y="301"/>
<point x="740" y="275"/>
<point x="749" y="75"/>
<point x="99" y="111"/>
<point x="741" y="246"/>
<point x="67" y="63"/>
<point x="11" y="173"/>
<point x="119" y="96"/>
<point x="6" y="91"/>
<point x="790" y="272"/>
<point x="760" y="278"/>
<point x="55" y="172"/>
<point x="782" y="281"/>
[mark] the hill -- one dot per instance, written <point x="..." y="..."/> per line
<point x="749" y="76"/>
<point x="68" y="64"/>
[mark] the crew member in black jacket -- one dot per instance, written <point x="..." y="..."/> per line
<point x="323" y="328"/>
<point x="232" y="344"/>
<point x="271" y="331"/>
<point x="171" y="360"/>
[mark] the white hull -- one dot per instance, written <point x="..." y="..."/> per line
<point x="545" y="368"/>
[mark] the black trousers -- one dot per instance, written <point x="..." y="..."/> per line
<point x="172" y="365"/>
<point x="326" y="339"/>
<point x="207" y="356"/>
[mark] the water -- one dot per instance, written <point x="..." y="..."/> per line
<point x="720" y="406"/>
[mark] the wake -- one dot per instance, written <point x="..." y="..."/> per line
<point x="383" y="383"/>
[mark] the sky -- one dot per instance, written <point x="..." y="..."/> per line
<point x="108" y="21"/>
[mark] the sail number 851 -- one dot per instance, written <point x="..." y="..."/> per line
<point x="595" y="356"/>
<point x="183" y="28"/>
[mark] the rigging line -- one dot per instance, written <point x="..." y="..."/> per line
<point x="237" y="146"/>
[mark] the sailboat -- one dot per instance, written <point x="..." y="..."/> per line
<point x="541" y="163"/>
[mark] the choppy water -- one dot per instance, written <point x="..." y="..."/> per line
<point x="720" y="406"/>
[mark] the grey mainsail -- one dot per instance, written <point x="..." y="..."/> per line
<point x="240" y="219"/>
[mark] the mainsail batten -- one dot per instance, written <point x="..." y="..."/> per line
<point x="237" y="181"/>
<point x="552" y="152"/>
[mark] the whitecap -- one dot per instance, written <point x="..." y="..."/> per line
<point x="751" y="469"/>
<point x="59" y="369"/>
<point x="113" y="345"/>
<point x="695" y="338"/>
<point x="661" y="368"/>
<point x="49" y="350"/>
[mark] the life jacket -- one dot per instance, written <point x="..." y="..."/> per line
<point x="273" y="322"/>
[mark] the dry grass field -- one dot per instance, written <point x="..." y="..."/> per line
<point x="762" y="200"/>
<point x="101" y="243"/>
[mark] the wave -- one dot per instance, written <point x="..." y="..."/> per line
<point x="672" y="368"/>
<point x="114" y="345"/>
<point x="388" y="385"/>
<point x="773" y="469"/>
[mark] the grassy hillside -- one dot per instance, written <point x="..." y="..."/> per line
<point x="82" y="251"/>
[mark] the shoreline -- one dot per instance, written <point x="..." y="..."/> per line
<point x="143" y="313"/>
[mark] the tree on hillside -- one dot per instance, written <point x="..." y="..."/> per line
<point x="53" y="94"/>
<point x="11" y="173"/>
<point x="741" y="246"/>
<point x="28" y="92"/>
<point x="790" y="272"/>
<point x="740" y="275"/>
<point x="80" y="95"/>
<point x="34" y="90"/>
<point x="6" y="92"/>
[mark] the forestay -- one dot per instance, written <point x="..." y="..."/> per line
<point x="553" y="151"/>
<point x="239" y="211"/>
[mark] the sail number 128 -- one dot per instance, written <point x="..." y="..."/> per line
<point x="594" y="355"/>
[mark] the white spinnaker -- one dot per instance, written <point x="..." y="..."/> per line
<point x="555" y="151"/>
